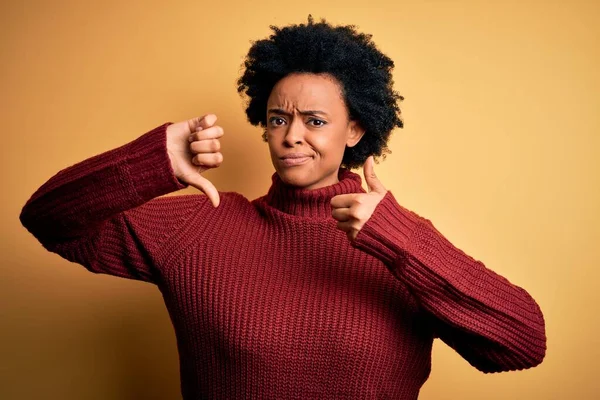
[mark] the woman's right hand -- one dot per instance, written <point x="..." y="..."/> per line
<point x="193" y="147"/>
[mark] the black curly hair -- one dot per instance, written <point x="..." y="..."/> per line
<point x="364" y="73"/>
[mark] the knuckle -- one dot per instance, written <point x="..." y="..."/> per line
<point x="361" y="214"/>
<point x="214" y="132"/>
<point x="217" y="159"/>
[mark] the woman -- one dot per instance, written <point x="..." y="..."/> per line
<point x="317" y="289"/>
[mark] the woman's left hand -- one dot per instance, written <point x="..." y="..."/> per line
<point x="353" y="210"/>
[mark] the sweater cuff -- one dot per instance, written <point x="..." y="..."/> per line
<point x="387" y="233"/>
<point x="150" y="173"/>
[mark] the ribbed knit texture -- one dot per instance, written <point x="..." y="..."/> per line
<point x="268" y="299"/>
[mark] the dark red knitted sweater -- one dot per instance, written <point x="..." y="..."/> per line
<point x="268" y="299"/>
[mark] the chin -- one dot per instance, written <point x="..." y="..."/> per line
<point x="296" y="177"/>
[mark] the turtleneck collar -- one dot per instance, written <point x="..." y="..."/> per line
<point x="311" y="203"/>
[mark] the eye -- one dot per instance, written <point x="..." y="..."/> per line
<point x="317" y="122"/>
<point x="276" y="121"/>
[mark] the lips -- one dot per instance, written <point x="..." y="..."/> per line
<point x="293" y="159"/>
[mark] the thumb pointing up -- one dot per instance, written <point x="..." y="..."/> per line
<point x="373" y="182"/>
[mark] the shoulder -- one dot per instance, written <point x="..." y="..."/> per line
<point x="186" y="203"/>
<point x="166" y="214"/>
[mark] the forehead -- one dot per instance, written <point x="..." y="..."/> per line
<point x="307" y="91"/>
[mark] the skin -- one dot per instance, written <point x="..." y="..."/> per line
<point x="193" y="147"/>
<point x="307" y="116"/>
<point x="308" y="129"/>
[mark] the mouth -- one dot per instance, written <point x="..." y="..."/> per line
<point x="294" y="159"/>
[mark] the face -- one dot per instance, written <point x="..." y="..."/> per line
<point x="308" y="129"/>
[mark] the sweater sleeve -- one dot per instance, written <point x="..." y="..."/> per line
<point x="100" y="212"/>
<point x="495" y="325"/>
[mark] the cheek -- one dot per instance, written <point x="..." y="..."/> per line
<point x="270" y="142"/>
<point x="329" y="146"/>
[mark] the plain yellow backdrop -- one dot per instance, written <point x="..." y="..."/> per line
<point x="500" y="151"/>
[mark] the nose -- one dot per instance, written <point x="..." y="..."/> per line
<point x="294" y="134"/>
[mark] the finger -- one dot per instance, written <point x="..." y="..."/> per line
<point x="208" y="120"/>
<point x="343" y="200"/>
<point x="352" y="235"/>
<point x="208" y="160"/>
<point x="373" y="182"/>
<point x="344" y="226"/>
<point x="205" y="146"/>
<point x="214" y="132"/>
<point x="341" y="214"/>
<point x="206" y="187"/>
<point x="204" y="122"/>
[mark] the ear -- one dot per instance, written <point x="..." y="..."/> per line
<point x="355" y="133"/>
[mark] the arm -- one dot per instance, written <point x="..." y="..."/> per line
<point x="100" y="212"/>
<point x="80" y="213"/>
<point x="493" y="324"/>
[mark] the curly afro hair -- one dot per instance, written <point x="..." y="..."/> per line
<point x="363" y="72"/>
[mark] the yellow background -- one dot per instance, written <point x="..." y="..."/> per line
<point x="500" y="151"/>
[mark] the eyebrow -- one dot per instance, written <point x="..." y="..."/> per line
<point x="301" y="112"/>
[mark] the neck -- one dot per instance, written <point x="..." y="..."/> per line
<point x="305" y="202"/>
